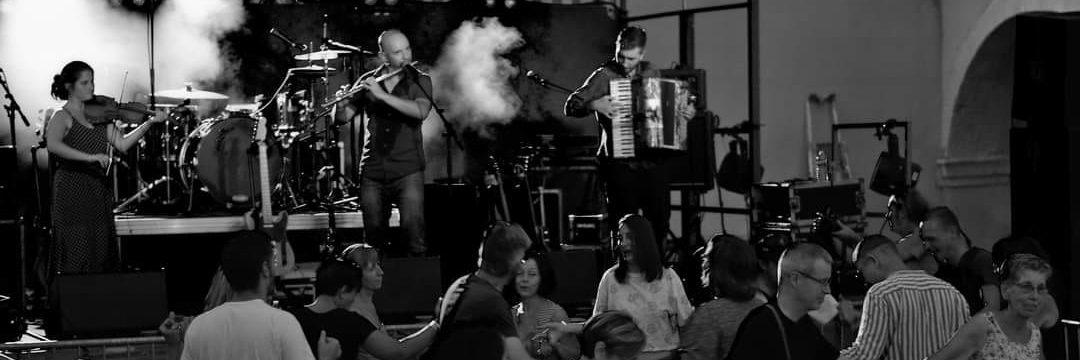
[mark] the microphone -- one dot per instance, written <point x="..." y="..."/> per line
<point x="335" y="44"/>
<point x="287" y="40"/>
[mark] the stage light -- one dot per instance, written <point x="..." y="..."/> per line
<point x="510" y="3"/>
<point x="490" y="3"/>
<point x="370" y="2"/>
<point x="391" y="2"/>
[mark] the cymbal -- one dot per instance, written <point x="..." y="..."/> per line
<point x="311" y="69"/>
<point x="189" y="93"/>
<point x="320" y="55"/>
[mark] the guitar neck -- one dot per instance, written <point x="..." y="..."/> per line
<point x="264" y="186"/>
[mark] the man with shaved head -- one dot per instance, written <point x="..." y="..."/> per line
<point x="907" y="313"/>
<point x="804" y="274"/>
<point x="392" y="164"/>
<point x="973" y="272"/>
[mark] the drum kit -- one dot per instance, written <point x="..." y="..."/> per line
<point x="202" y="160"/>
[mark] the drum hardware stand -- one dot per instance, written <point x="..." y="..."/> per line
<point x="13" y="108"/>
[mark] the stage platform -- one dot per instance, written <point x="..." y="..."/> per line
<point x="141" y="225"/>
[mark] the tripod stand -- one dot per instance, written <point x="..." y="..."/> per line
<point x="12" y="109"/>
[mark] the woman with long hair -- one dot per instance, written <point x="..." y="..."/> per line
<point x="729" y="269"/>
<point x="611" y="335"/>
<point x="83" y="228"/>
<point x="640" y="285"/>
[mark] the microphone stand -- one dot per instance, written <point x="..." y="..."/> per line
<point x="12" y="109"/>
<point x="448" y="129"/>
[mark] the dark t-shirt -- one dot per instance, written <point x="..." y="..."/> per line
<point x="975" y="269"/>
<point x="394" y="145"/>
<point x="481" y="305"/>
<point x="349" y="328"/>
<point x="759" y="338"/>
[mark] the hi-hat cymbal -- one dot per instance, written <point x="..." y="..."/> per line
<point x="320" y="55"/>
<point x="189" y="93"/>
<point x="311" y="70"/>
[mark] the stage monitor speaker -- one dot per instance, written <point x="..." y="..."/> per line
<point x="108" y="304"/>
<point x="577" y="274"/>
<point x="410" y="286"/>
<point x="694" y="169"/>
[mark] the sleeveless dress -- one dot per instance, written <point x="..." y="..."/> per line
<point x="83" y="228"/>
<point x="999" y="347"/>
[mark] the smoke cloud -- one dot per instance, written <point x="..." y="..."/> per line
<point x="471" y="77"/>
<point x="38" y="37"/>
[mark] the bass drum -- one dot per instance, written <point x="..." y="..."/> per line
<point x="216" y="156"/>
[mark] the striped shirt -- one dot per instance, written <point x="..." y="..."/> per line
<point x="908" y="316"/>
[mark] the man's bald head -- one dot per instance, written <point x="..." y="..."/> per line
<point x="874" y="244"/>
<point x="877" y="258"/>
<point x="395" y="48"/>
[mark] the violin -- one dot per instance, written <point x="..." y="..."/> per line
<point x="103" y="109"/>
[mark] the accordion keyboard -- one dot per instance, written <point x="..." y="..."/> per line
<point x="622" y="121"/>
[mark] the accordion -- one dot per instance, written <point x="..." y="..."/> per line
<point x="648" y="115"/>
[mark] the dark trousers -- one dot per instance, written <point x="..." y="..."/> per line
<point x="408" y="193"/>
<point x="638" y="185"/>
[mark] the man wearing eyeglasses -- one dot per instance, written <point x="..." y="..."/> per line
<point x="907" y="313"/>
<point x="783" y="330"/>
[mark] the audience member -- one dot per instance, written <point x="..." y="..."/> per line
<point x="533" y="284"/>
<point x="365" y="258"/>
<point x="482" y="303"/>
<point x="337" y="283"/>
<point x="1012" y="245"/>
<point x="907" y="314"/>
<point x="903" y="218"/>
<point x="850" y="289"/>
<point x="640" y="285"/>
<point x="611" y="335"/>
<point x="1009" y="333"/>
<point x="247" y="327"/>
<point x="730" y="269"/>
<point x="973" y="267"/>
<point x="805" y="271"/>
<point x="768" y="250"/>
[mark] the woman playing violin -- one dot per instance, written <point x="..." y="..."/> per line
<point x="78" y="138"/>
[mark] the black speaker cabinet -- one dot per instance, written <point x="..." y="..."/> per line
<point x="107" y="304"/>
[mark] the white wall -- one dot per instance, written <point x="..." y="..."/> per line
<point x="881" y="58"/>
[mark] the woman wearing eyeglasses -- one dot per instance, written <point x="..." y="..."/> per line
<point x="640" y="285"/>
<point x="1008" y="333"/>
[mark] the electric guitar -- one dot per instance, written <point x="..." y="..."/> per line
<point x="283" y="259"/>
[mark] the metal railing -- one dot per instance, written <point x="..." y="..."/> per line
<point x="132" y="348"/>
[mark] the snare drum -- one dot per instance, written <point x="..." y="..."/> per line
<point x="217" y="155"/>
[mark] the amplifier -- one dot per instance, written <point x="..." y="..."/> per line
<point x="107" y="304"/>
<point x="588" y="229"/>
<point x="798" y="203"/>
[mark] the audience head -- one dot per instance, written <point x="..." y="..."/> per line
<point x="339" y="280"/>
<point x="535" y="277"/>
<point x="630" y="47"/>
<point x="473" y="342"/>
<point x="637" y="246"/>
<point x="851" y="288"/>
<point x="804" y="274"/>
<point x="503" y="248"/>
<point x="366" y="258"/>
<point x="219" y="293"/>
<point x="729" y="268"/>
<point x="943" y="236"/>
<point x="1023" y="280"/>
<point x="876" y="257"/>
<point x="245" y="261"/>
<point x="76" y="79"/>
<point x="906" y="211"/>
<point x="768" y="250"/>
<point x="611" y="335"/>
<point x="1016" y="244"/>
